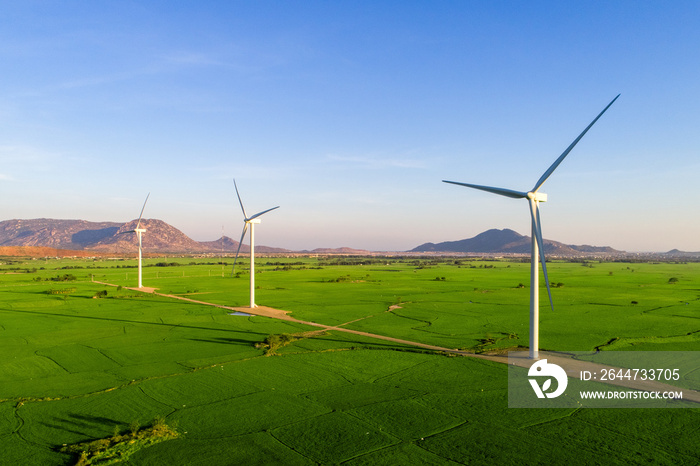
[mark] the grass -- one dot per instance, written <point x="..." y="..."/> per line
<point x="73" y="367"/>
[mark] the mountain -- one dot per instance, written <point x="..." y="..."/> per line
<point x="159" y="237"/>
<point x="61" y="234"/>
<point x="681" y="254"/>
<point x="509" y="242"/>
<point x="111" y="237"/>
<point x="230" y="246"/>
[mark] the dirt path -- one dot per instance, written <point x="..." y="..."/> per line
<point x="572" y="366"/>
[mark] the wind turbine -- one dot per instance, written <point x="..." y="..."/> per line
<point x="139" y="232"/>
<point x="534" y="198"/>
<point x="252" y="221"/>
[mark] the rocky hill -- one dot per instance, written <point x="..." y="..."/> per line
<point x="81" y="235"/>
<point x="61" y="234"/>
<point x="509" y="242"/>
<point x="159" y="236"/>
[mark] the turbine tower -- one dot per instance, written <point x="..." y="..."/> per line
<point x="252" y="221"/>
<point x="534" y="197"/>
<point x="139" y="232"/>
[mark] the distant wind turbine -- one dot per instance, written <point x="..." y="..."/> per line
<point x="249" y="221"/>
<point x="534" y="198"/>
<point x="139" y="232"/>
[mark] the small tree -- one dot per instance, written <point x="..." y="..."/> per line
<point x="134" y="426"/>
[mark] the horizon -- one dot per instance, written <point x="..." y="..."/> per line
<point x="310" y="250"/>
<point x="349" y="116"/>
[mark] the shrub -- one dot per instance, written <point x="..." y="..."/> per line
<point x="134" y="426"/>
<point x="158" y="422"/>
<point x="276" y="341"/>
<point x="61" y="291"/>
<point x="64" y="278"/>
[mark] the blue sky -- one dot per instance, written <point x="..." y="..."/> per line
<point x="349" y="114"/>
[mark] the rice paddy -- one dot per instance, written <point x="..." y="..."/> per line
<point x="80" y="360"/>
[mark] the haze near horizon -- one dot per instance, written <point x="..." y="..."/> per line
<point x="349" y="115"/>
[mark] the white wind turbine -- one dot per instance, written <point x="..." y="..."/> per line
<point x="252" y="221"/>
<point x="139" y="232"/>
<point x="534" y="198"/>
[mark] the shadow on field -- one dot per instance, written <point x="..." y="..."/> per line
<point x="368" y="344"/>
<point x="223" y="341"/>
<point x="349" y="343"/>
<point x="81" y="423"/>
<point x="73" y="316"/>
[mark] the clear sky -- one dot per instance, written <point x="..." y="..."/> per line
<point x="349" y="114"/>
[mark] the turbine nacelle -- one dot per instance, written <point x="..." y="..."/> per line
<point x="537" y="196"/>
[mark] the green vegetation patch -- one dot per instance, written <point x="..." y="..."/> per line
<point x="119" y="448"/>
<point x="404" y="453"/>
<point x="362" y="366"/>
<point x="8" y="422"/>
<point x="202" y="387"/>
<point x="360" y="394"/>
<point x="61" y="290"/>
<point x="58" y="386"/>
<point x="406" y="419"/>
<point x="258" y="448"/>
<point x="33" y="367"/>
<point x="294" y="373"/>
<point x="78" y="358"/>
<point x="14" y="450"/>
<point x="333" y="438"/>
<point x="81" y="419"/>
<point x="277" y="341"/>
<point x="245" y="414"/>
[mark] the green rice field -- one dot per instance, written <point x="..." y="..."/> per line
<point x="82" y="361"/>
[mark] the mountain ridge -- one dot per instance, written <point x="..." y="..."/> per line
<point x="115" y="237"/>
<point x="506" y="241"/>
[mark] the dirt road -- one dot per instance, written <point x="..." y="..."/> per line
<point x="572" y="366"/>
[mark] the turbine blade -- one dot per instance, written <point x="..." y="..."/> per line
<point x="535" y="211"/>
<point x="239" y="200"/>
<point x="263" y="212"/>
<point x="240" y="243"/>
<point x="500" y="191"/>
<point x="556" y="163"/>
<point x="141" y="214"/>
